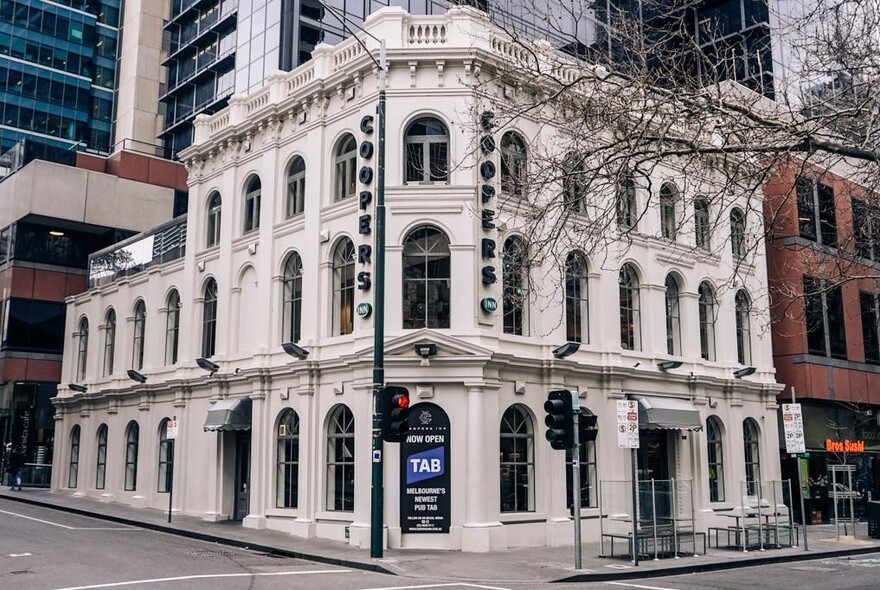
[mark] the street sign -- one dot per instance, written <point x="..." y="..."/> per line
<point x="793" y="425"/>
<point x="627" y="424"/>
<point x="171" y="429"/>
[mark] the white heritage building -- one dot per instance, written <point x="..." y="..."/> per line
<point x="273" y="253"/>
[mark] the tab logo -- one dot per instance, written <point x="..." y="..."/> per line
<point x="424" y="465"/>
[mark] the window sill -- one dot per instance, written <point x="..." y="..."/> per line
<point x="335" y="516"/>
<point x="283" y="512"/>
<point x="522" y="517"/>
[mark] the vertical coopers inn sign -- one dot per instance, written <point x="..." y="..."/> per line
<point x="425" y="471"/>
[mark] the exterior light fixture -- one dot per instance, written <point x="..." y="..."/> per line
<point x="295" y="351"/>
<point x="56" y="233"/>
<point x="744" y="372"/>
<point x="668" y="365"/>
<point x="77" y="387"/>
<point x="425" y="349"/>
<point x="567" y="349"/>
<point x="135" y="376"/>
<point x="207" y="365"/>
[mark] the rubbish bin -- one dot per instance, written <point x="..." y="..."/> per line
<point x="873" y="515"/>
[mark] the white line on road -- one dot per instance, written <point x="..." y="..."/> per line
<point x="639" y="586"/>
<point x="70" y="528"/>
<point x="20" y="554"/>
<point x="449" y="585"/>
<point x="202" y="577"/>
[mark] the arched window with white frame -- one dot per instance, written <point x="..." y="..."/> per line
<point x="673" y="317"/>
<point x="109" y="342"/>
<point x="577" y="309"/>
<point x="73" y="466"/>
<point x="101" y="458"/>
<point x="517" y="462"/>
<point x="427" y="279"/>
<point x="715" y="458"/>
<point x="340" y="460"/>
<point x="296" y="188"/>
<point x="752" y="453"/>
<point x="630" y="313"/>
<point x="738" y="234"/>
<point x="172" y="327"/>
<point x="209" y="319"/>
<point x="292" y="296"/>
<point x="427" y="151"/>
<point x="346" y="168"/>
<point x="287" y="460"/>
<point x="252" y="197"/>
<point x="82" y="352"/>
<point x="515" y="286"/>
<point x="343" y="287"/>
<point x="668" y="213"/>
<point x="707" y="321"/>
<point x="165" y="464"/>
<point x="514" y="164"/>
<point x="138" y="335"/>
<point x="702" y="227"/>
<point x="132" y="440"/>
<point x="213" y="232"/>
<point x="743" y="328"/>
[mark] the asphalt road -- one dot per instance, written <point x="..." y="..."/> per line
<point x="44" y="549"/>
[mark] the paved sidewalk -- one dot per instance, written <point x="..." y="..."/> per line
<point x="543" y="564"/>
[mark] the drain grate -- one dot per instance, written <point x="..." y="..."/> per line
<point x="211" y="553"/>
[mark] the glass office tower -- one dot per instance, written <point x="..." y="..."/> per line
<point x="57" y="72"/>
<point x="219" y="47"/>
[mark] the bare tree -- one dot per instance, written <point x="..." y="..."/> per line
<point x="689" y="106"/>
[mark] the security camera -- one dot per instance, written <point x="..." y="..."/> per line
<point x="295" y="351"/>
<point x="207" y="365"/>
<point x="135" y="376"/>
<point x="77" y="388"/>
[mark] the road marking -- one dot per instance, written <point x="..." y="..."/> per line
<point x="202" y="577"/>
<point x="70" y="528"/>
<point x="639" y="586"/>
<point x="448" y="585"/>
<point x="20" y="554"/>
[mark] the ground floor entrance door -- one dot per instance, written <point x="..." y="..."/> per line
<point x="655" y="493"/>
<point x="241" y="501"/>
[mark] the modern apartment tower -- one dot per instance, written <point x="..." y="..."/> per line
<point x="58" y="71"/>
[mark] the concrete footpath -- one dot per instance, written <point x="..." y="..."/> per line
<point x="545" y="564"/>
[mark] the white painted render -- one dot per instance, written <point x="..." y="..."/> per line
<point x="478" y="371"/>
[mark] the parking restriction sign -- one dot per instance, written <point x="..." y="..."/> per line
<point x="793" y="426"/>
<point x="627" y="424"/>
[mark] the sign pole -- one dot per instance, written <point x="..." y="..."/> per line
<point x="171" y="434"/>
<point x="800" y="485"/>
<point x="635" y="504"/>
<point x="628" y="438"/>
<point x="576" y="482"/>
<point x="377" y="508"/>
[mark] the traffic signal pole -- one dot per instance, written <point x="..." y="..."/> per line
<point x="377" y="507"/>
<point x="576" y="482"/>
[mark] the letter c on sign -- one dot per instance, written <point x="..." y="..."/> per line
<point x="367" y="124"/>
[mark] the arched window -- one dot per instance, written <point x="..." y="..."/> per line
<point x="214" y="220"/>
<point x="343" y="288"/>
<point x="577" y="310"/>
<point x="166" y="457"/>
<point x="673" y="317"/>
<point x="715" y="457"/>
<point x="707" y="321"/>
<point x="427" y="272"/>
<point x="209" y="319"/>
<point x="101" y="458"/>
<point x="140" y="325"/>
<point x="109" y="342"/>
<point x="668" y="216"/>
<point x="626" y="202"/>
<point x="702" y="231"/>
<point x="752" y="457"/>
<point x="73" y="470"/>
<point x="340" y="460"/>
<point x="82" y="352"/>
<point x="738" y="234"/>
<point x="743" y="328"/>
<point x="287" y="460"/>
<point x="291" y="294"/>
<point x="517" y="460"/>
<point x="630" y="329"/>
<point x="296" y="188"/>
<point x="172" y="328"/>
<point x="132" y="436"/>
<point x="252" y="204"/>
<point x="574" y="184"/>
<point x="346" y="168"/>
<point x="514" y="164"/>
<point x="427" y="151"/>
<point x="515" y="279"/>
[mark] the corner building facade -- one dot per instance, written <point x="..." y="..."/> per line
<point x="279" y="248"/>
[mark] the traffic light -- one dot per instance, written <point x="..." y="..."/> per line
<point x="560" y="419"/>
<point x="395" y="413"/>
<point x="587" y="430"/>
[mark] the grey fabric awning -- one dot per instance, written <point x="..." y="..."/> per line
<point x="667" y="413"/>
<point x="229" y="414"/>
